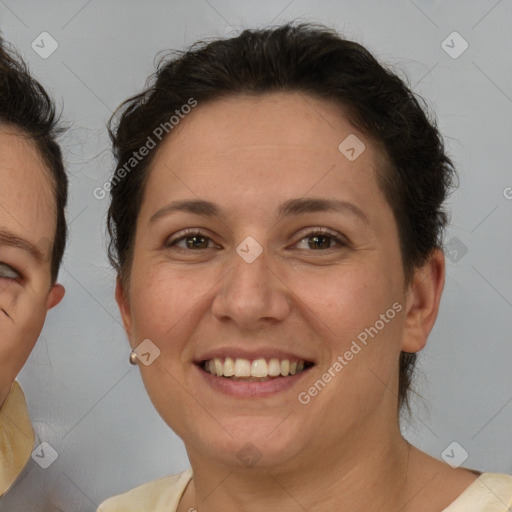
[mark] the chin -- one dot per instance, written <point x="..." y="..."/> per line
<point x="251" y="442"/>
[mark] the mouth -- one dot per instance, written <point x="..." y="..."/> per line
<point x="254" y="370"/>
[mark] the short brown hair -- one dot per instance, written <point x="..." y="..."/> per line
<point x="26" y="106"/>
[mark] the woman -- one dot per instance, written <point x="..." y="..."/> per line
<point x="33" y="196"/>
<point x="276" y="223"/>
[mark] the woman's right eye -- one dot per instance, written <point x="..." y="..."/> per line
<point x="191" y="240"/>
<point x="7" y="272"/>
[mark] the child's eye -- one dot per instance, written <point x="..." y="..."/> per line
<point x="7" y="272"/>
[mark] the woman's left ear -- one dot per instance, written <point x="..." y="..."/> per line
<point x="422" y="304"/>
<point x="124" y="306"/>
<point x="55" y="296"/>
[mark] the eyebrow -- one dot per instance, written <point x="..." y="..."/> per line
<point x="11" y="240"/>
<point x="289" y="208"/>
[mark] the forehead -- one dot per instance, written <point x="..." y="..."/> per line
<point x="293" y="119"/>
<point x="27" y="206"/>
<point x="279" y="144"/>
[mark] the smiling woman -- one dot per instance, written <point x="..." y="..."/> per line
<point x="285" y="241"/>
<point x="33" y="196"/>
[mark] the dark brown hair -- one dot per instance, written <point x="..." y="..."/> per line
<point x="314" y="60"/>
<point x="27" y="107"/>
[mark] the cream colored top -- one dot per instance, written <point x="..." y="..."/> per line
<point x="491" y="492"/>
<point x="16" y="437"/>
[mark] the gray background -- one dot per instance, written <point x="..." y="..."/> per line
<point x="85" y="399"/>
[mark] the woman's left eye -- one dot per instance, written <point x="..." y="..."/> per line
<point x="7" y="272"/>
<point x="192" y="241"/>
<point x="320" y="240"/>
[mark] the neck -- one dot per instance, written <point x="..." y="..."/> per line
<point x="364" y="471"/>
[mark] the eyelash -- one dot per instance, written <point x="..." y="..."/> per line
<point x="4" y="268"/>
<point x="310" y="234"/>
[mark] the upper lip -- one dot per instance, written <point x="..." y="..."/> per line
<point x="252" y="354"/>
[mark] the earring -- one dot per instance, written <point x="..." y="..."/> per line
<point x="133" y="357"/>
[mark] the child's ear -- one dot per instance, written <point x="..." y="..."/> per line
<point x="55" y="296"/>
<point x="422" y="302"/>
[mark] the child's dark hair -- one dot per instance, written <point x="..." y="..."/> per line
<point x="27" y="107"/>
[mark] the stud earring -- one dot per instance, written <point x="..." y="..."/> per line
<point x="133" y="357"/>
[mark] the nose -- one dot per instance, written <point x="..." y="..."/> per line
<point x="252" y="295"/>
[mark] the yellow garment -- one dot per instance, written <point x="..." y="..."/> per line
<point x="162" y="495"/>
<point x="16" y="437"/>
<point x="491" y="492"/>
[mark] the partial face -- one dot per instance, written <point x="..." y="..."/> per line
<point x="27" y="227"/>
<point x="261" y="249"/>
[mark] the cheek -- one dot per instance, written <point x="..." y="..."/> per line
<point x="18" y="337"/>
<point x="10" y="291"/>
<point x="16" y="348"/>
<point x="164" y="300"/>
<point x="345" y="300"/>
<point x="345" y="308"/>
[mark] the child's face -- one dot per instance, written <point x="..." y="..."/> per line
<point x="27" y="229"/>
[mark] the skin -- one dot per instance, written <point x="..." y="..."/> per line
<point x="27" y="211"/>
<point x="248" y="155"/>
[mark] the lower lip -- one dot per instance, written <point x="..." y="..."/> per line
<point x="253" y="389"/>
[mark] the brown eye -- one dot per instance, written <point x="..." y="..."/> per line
<point x="196" y="242"/>
<point x="191" y="241"/>
<point x="320" y="240"/>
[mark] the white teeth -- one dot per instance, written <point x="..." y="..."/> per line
<point x="274" y="368"/>
<point x="218" y="367"/>
<point x="229" y="367"/>
<point x="258" y="368"/>
<point x="242" y="368"/>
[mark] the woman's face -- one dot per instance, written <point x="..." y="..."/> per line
<point x="27" y="227"/>
<point x="259" y="239"/>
